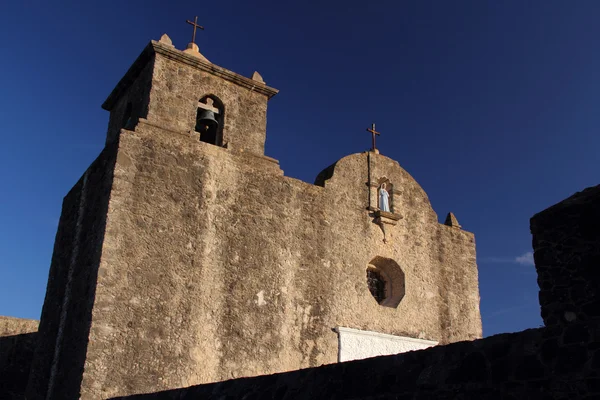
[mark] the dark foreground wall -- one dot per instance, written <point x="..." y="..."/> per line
<point x="16" y="353"/>
<point x="559" y="361"/>
<point x="566" y="243"/>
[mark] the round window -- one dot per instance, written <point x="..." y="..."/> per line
<point x="385" y="280"/>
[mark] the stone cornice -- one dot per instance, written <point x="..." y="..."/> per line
<point x="172" y="53"/>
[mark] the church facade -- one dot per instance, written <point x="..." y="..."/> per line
<point x="185" y="256"/>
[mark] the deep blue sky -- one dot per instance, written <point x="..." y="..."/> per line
<point x="491" y="105"/>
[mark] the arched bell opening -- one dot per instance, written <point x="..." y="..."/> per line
<point x="209" y="120"/>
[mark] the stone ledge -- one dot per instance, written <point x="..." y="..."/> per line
<point x="385" y="216"/>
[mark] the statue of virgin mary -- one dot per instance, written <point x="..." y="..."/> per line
<point x="384" y="199"/>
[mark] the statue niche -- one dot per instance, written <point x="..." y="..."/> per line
<point x="385" y="195"/>
<point x="209" y="120"/>
<point x="381" y="197"/>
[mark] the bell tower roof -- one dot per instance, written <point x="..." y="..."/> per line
<point x="190" y="56"/>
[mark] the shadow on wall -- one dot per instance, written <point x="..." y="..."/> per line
<point x="16" y="353"/>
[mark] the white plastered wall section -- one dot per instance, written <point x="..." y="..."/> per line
<point x="355" y="344"/>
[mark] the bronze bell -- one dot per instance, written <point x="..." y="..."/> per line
<point x="206" y="119"/>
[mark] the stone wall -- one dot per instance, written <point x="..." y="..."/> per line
<point x="559" y="361"/>
<point x="216" y="266"/>
<point x="18" y="338"/>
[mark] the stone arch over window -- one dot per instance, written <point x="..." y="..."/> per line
<point x="389" y="187"/>
<point x="126" y="121"/>
<point x="386" y="281"/>
<point x="209" y="120"/>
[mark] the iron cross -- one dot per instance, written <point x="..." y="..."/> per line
<point x="195" y="23"/>
<point x="374" y="133"/>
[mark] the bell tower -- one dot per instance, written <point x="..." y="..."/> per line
<point x="183" y="92"/>
<point x="173" y="110"/>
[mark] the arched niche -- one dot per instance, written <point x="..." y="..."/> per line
<point x="386" y="281"/>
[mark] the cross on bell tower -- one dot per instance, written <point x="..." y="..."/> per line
<point x="192" y="48"/>
<point x="195" y="24"/>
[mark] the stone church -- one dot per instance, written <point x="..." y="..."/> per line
<point x="185" y="256"/>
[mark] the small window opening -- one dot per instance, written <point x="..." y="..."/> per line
<point x="376" y="284"/>
<point x="209" y="120"/>
<point x="127" y="116"/>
